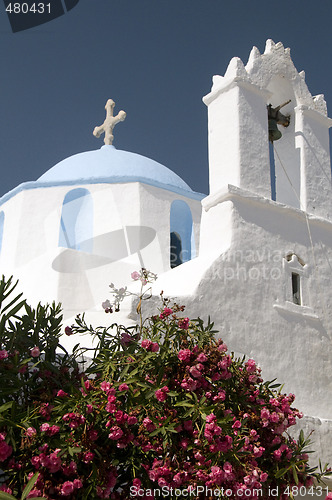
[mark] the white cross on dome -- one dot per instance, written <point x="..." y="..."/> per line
<point x="109" y="123"/>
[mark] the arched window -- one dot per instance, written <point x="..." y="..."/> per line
<point x="176" y="250"/>
<point x="76" y="224"/>
<point x="182" y="242"/>
<point x="2" y="221"/>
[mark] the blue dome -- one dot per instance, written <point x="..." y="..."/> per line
<point x="110" y="165"/>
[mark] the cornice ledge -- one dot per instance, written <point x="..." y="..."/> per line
<point x="234" y="193"/>
<point x="313" y="113"/>
<point x="298" y="310"/>
<point x="230" y="83"/>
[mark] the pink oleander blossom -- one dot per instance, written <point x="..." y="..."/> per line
<point x="123" y="387"/>
<point x="250" y="366"/>
<point x="30" y="432"/>
<point x="5" y="451"/>
<point x="6" y="489"/>
<point x="3" y="354"/>
<point x="161" y="394"/>
<point x="166" y="312"/>
<point x="68" y="331"/>
<point x="105" y="386"/>
<point x="149" y="425"/>
<point x="115" y="432"/>
<point x="135" y="275"/>
<point x="184" y="323"/>
<point x="77" y="484"/>
<point x="35" y="493"/>
<point x="154" y="347"/>
<point x="62" y="394"/>
<point x="88" y="457"/>
<point x="67" y="488"/>
<point x="184" y="355"/>
<point x="35" y="352"/>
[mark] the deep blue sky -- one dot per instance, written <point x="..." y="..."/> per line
<point x="155" y="58"/>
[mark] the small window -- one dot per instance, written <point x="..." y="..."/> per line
<point x="296" y="289"/>
<point x="175" y="250"/>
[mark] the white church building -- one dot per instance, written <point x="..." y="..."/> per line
<point x="255" y="254"/>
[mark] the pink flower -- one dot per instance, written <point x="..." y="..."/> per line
<point x="210" y="418"/>
<point x="67" y="488"/>
<point x="126" y="339"/>
<point x="194" y="372"/>
<point x="149" y="425"/>
<point x="184" y="323"/>
<point x="184" y="443"/>
<point x="93" y="434"/>
<point x="105" y="386"/>
<point x="61" y="394"/>
<point x="6" y="489"/>
<point x="88" y="457"/>
<point x="222" y="347"/>
<point x="135" y="275"/>
<point x="258" y="451"/>
<point x="154" y="347"/>
<point x="263" y="477"/>
<point x="77" y="484"/>
<point x="265" y="414"/>
<point x="123" y="387"/>
<point x="30" y="431"/>
<point x="184" y="355"/>
<point x="35" y="352"/>
<point x="188" y="425"/>
<point x="161" y="395"/>
<point x="5" y="450"/>
<point x="146" y="344"/>
<point x="236" y="425"/>
<point x="166" y="312"/>
<point x="274" y="417"/>
<point x="68" y="331"/>
<point x="250" y="366"/>
<point x="201" y="358"/>
<point x="137" y="482"/>
<point x="221" y="396"/>
<point x="70" y="469"/>
<point x="3" y="354"/>
<point x="34" y="493"/>
<point x="116" y="433"/>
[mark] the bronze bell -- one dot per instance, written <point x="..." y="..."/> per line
<point x="274" y="132"/>
<point x="275" y="117"/>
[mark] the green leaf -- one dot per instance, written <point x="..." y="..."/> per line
<point x="29" y="486"/>
<point x="13" y="302"/>
<point x="281" y="473"/>
<point x="6" y="496"/>
<point x="184" y="403"/>
<point x="296" y="479"/>
<point x="6" y="406"/>
<point x="72" y="450"/>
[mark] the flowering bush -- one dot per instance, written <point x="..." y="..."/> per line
<point x="163" y="411"/>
